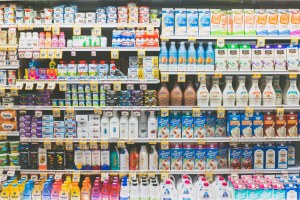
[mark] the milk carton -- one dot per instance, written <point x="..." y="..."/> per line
<point x="292" y="55"/>
<point x="176" y="157"/>
<point x="175" y="124"/>
<point x="234" y="125"/>
<point x="250" y="22"/>
<point x="268" y="56"/>
<point x="294" y="22"/>
<point x="192" y="21"/>
<point x="258" y="156"/>
<point x="188" y="157"/>
<point x="211" y="157"/>
<point x="233" y="56"/>
<point x="245" y="57"/>
<point x="272" y="22"/>
<point x="235" y="156"/>
<point x="187" y="125"/>
<point x="258" y="124"/>
<point x="204" y="22"/>
<point x="257" y="58"/>
<point x="220" y="127"/>
<point x="246" y="126"/>
<point x="236" y="22"/>
<point x="282" y="156"/>
<point x="280" y="57"/>
<point x="210" y="126"/>
<point x="216" y="22"/>
<point x="199" y="126"/>
<point x="291" y="153"/>
<point x="270" y="156"/>
<point x="284" y="22"/>
<point x="247" y="157"/>
<point x="163" y="126"/>
<point x="180" y="21"/>
<point x="224" y="22"/>
<point x="222" y="156"/>
<point x="221" y="58"/>
<point x="164" y="158"/>
<point x="200" y="157"/>
<point x="261" y="22"/>
<point x="168" y="21"/>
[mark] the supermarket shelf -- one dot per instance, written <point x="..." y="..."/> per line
<point x="158" y="140"/>
<point x="10" y="133"/>
<point x="99" y="81"/>
<point x="97" y="48"/>
<point x="2" y="67"/>
<point x="229" y="37"/>
<point x="179" y="172"/>
<point x="83" y="25"/>
<point x="148" y="108"/>
<point x="230" y="72"/>
<point x="8" y="168"/>
<point x="7" y="87"/>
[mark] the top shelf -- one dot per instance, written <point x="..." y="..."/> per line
<point x="228" y="37"/>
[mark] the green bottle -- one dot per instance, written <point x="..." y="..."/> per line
<point x="114" y="159"/>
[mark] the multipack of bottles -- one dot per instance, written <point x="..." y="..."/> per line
<point x="41" y="40"/>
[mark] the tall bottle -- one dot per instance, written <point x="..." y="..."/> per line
<point x="104" y="131"/>
<point x="200" y="57"/>
<point x="192" y="57"/>
<point x="48" y="40"/>
<point x="163" y="95"/>
<point x="133" y="126"/>
<point x="209" y="57"/>
<point x="172" y="57"/>
<point x="176" y="95"/>
<point x="124" y="193"/>
<point x="269" y="97"/>
<point x="15" y="193"/>
<point x="62" y="40"/>
<point x="181" y="59"/>
<point x="75" y="191"/>
<point x="285" y="89"/>
<point x="144" y="191"/>
<point x="46" y="194"/>
<point x="29" y="40"/>
<point x="22" y="40"/>
<point x="152" y="125"/>
<point x="114" y="125"/>
<point x="189" y="97"/>
<point x="143" y="158"/>
<point x="153" y="158"/>
<point x="143" y="123"/>
<point x="55" y="191"/>
<point x="292" y="96"/>
<point x="105" y="191"/>
<point x="124" y="126"/>
<point x="242" y="95"/>
<point x="26" y="193"/>
<point x="124" y="159"/>
<point x="42" y="39"/>
<point x="278" y="91"/>
<point x="163" y="57"/>
<point x="35" y="40"/>
<point x="54" y="41"/>
<point x="228" y="93"/>
<point x="85" y="191"/>
<point x="114" y="192"/>
<point x="202" y="94"/>
<point x="254" y="94"/>
<point x="114" y="159"/>
<point x="134" y="159"/>
<point x="215" y="94"/>
<point x="96" y="193"/>
<point x="36" y="192"/>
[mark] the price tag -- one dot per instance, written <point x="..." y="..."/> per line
<point x="70" y="112"/>
<point x="150" y="30"/>
<point x="19" y="85"/>
<point x="97" y="31"/>
<point x="47" y="28"/>
<point x="141" y="73"/>
<point x="143" y="87"/>
<point x="164" y="144"/>
<point x="58" y="54"/>
<point x="36" y="55"/>
<point x="130" y="141"/>
<point x="165" y="39"/>
<point x="261" y="42"/>
<point x="51" y="53"/>
<point x="56" y="112"/>
<point x="256" y="75"/>
<point x="141" y="53"/>
<point x="104" y="176"/>
<point x="153" y="142"/>
<point x="106" y="86"/>
<point x="164" y="175"/>
<point x="181" y="78"/>
<point x="94" y="87"/>
<point x="55" y="30"/>
<point x="132" y="176"/>
<point x="104" y="144"/>
<point x="201" y="77"/>
<point x="47" y="144"/>
<point x="279" y="112"/>
<point x="114" y="54"/>
<point x="63" y="86"/>
<point x="293" y="76"/>
<point x="221" y="112"/>
<point x="76" y="177"/>
<point x="234" y="176"/>
<point x="57" y="176"/>
<point x="209" y="175"/>
<point x="51" y="86"/>
<point x="233" y="141"/>
<point x="38" y="112"/>
<point x="220" y="42"/>
<point x="152" y="174"/>
<point x="69" y="145"/>
<point x="29" y="26"/>
<point x="294" y="41"/>
<point x="34" y="177"/>
<point x="201" y="141"/>
<point x="40" y="86"/>
<point x="14" y="91"/>
<point x="3" y="135"/>
<point x="117" y="86"/>
<point x="155" y="72"/>
<point x="83" y="144"/>
<point x="164" y="78"/>
<point x="121" y="144"/>
<point x="11" y="173"/>
<point x="192" y="39"/>
<point x="130" y="87"/>
<point x="59" y="142"/>
<point x="73" y="52"/>
<point x="249" y="111"/>
<point x="93" y="144"/>
<point x="196" y="112"/>
<point x="29" y="86"/>
<point x="98" y="110"/>
<point x="93" y="52"/>
<point x="21" y="27"/>
<point x="164" y="112"/>
<point x="76" y="30"/>
<point x="218" y="75"/>
<point x="43" y="53"/>
<point x="2" y="92"/>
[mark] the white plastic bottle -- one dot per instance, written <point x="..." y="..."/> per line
<point x="42" y="39"/>
<point x="285" y="89"/>
<point x="254" y="94"/>
<point x="134" y="191"/>
<point x="202" y="94"/>
<point x="153" y="158"/>
<point x="152" y="125"/>
<point x="224" y="192"/>
<point x="22" y="40"/>
<point x="228" y="93"/>
<point x="143" y="158"/>
<point x="124" y="193"/>
<point x="124" y="159"/>
<point x="133" y="126"/>
<point x="144" y="191"/>
<point x="269" y="96"/>
<point x="104" y="133"/>
<point x="114" y="125"/>
<point x="205" y="193"/>
<point x="154" y="191"/>
<point x="215" y="94"/>
<point x="292" y="95"/>
<point x="143" y="123"/>
<point x="187" y="191"/>
<point x="278" y="91"/>
<point x="35" y="40"/>
<point x="242" y="95"/>
<point x="124" y="127"/>
<point x="29" y="40"/>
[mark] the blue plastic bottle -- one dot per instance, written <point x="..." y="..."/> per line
<point x="181" y="59"/>
<point x="27" y="191"/>
<point x="46" y="194"/>
<point x="163" y="57"/>
<point x="210" y="58"/>
<point x="192" y="57"/>
<point x="200" y="57"/>
<point x="173" y="57"/>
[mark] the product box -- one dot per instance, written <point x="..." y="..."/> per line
<point x="175" y="124"/>
<point x="284" y="22"/>
<point x="291" y="153"/>
<point x="257" y="58"/>
<point x="192" y="21"/>
<point x="220" y="127"/>
<point x="96" y="159"/>
<point x="79" y="159"/>
<point x="282" y="156"/>
<point x="87" y="165"/>
<point x="216" y="22"/>
<point x="250" y="22"/>
<point x="164" y="158"/>
<point x="258" y="156"/>
<point x="258" y="124"/>
<point x="280" y="57"/>
<point x="188" y="154"/>
<point x="247" y="157"/>
<point x="245" y="57"/>
<point x="180" y="21"/>
<point x="269" y="124"/>
<point x="176" y="157"/>
<point x="294" y="22"/>
<point x="224" y="22"/>
<point x="235" y="156"/>
<point x="168" y="21"/>
<point x="272" y="22"/>
<point x="210" y="126"/>
<point x="269" y="58"/>
<point x="204" y="22"/>
<point x="246" y="126"/>
<point x="236" y="22"/>
<point x="281" y="126"/>
<point x="234" y="125"/>
<point x="211" y="157"/>
<point x="221" y="56"/>
<point x="42" y="159"/>
<point x="199" y="126"/>
<point x="292" y="55"/>
<point x="200" y="157"/>
<point x="291" y="124"/>
<point x="261" y="22"/>
<point x="233" y="57"/>
<point x="270" y="156"/>
<point x="187" y="125"/>
<point x="163" y="127"/>
<point x="222" y="157"/>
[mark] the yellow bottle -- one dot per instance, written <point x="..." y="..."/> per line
<point x="75" y="191"/>
<point x="15" y="193"/>
<point x="5" y="192"/>
<point x="64" y="192"/>
<point x="36" y="192"/>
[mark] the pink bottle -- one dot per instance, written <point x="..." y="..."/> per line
<point x="54" y="41"/>
<point x="114" y="192"/>
<point x="42" y="39"/>
<point x="96" y="195"/>
<point x="62" y="40"/>
<point x="105" y="191"/>
<point x="55" y="191"/>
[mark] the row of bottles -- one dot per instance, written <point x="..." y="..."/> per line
<point x="268" y="93"/>
<point x="38" y="40"/>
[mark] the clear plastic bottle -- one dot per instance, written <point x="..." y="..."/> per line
<point x="215" y="94"/>
<point x="254" y="94"/>
<point x="163" y="57"/>
<point x="278" y="91"/>
<point x="124" y="159"/>
<point x="182" y="57"/>
<point x="104" y="131"/>
<point x="224" y="192"/>
<point x="285" y="89"/>
<point x="48" y="40"/>
<point x="42" y="39"/>
<point x="124" y="193"/>
<point x="172" y="57"/>
<point x="292" y="96"/>
<point x="134" y="191"/>
<point x="205" y="193"/>
<point x="269" y="96"/>
<point x="200" y="58"/>
<point x="209" y="57"/>
<point x="228" y="93"/>
<point x="114" y="126"/>
<point x="242" y="95"/>
<point x="192" y="57"/>
<point x="189" y="94"/>
<point x="54" y="41"/>
<point x="153" y="158"/>
<point x="144" y="191"/>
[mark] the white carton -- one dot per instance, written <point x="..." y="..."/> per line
<point x="180" y="21"/>
<point x="272" y="22"/>
<point x="292" y="54"/>
<point x="204" y="21"/>
<point x="280" y="57"/>
<point x="221" y="58"/>
<point x="284" y="22"/>
<point x="268" y="58"/>
<point x="192" y="21"/>
<point x="168" y="21"/>
<point x="257" y="58"/>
